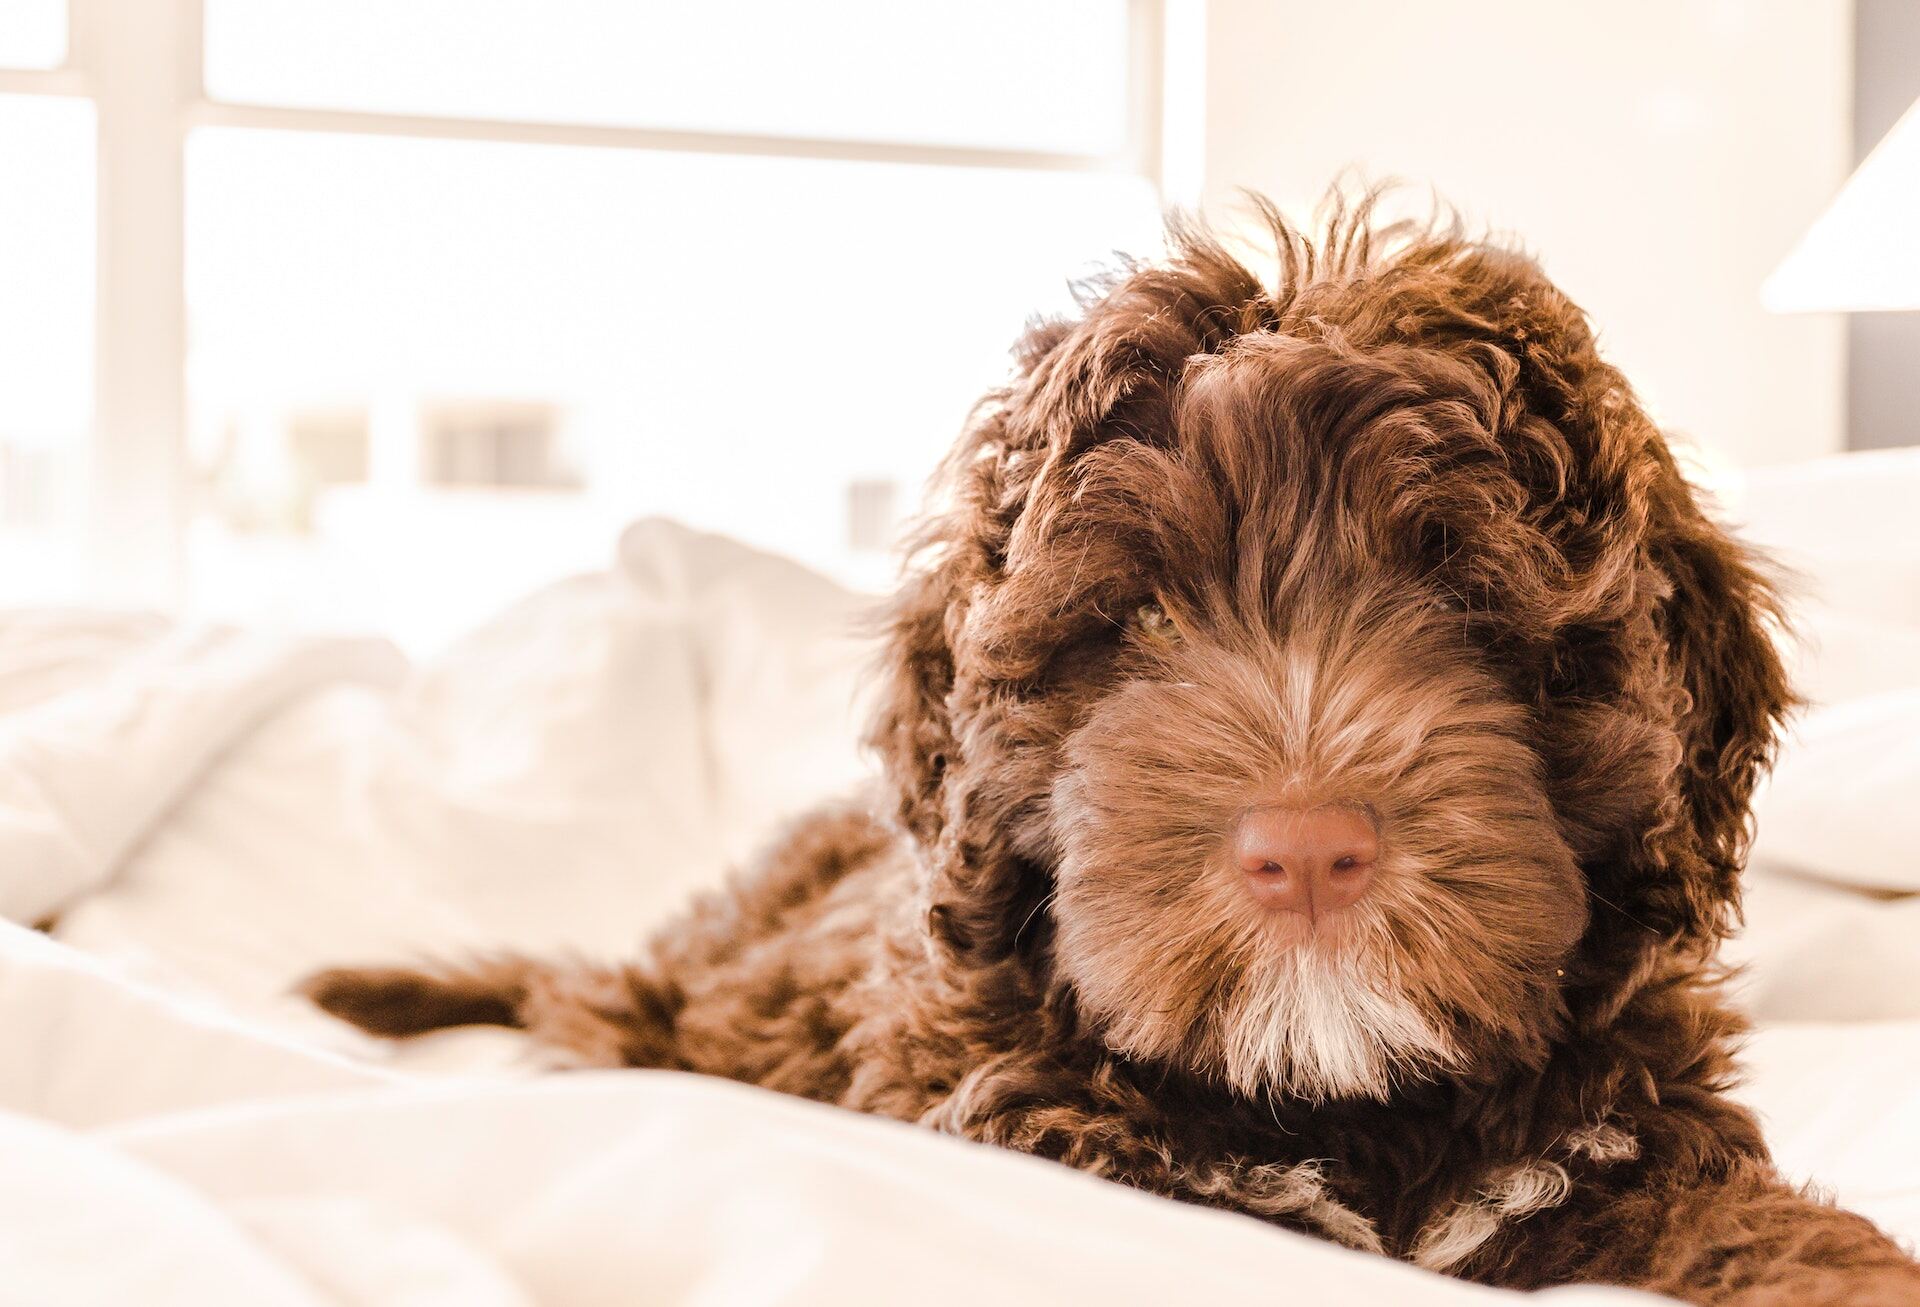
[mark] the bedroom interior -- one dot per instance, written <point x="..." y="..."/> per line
<point x="396" y="557"/>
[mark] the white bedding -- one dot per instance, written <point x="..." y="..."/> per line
<point x="612" y="1188"/>
<point x="211" y="814"/>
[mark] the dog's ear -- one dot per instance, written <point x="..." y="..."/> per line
<point x="942" y="667"/>
<point x="911" y="731"/>
<point x="961" y="547"/>
<point x="958" y="556"/>
<point x="1717" y="620"/>
<point x="956" y="636"/>
<point x="1666" y="743"/>
<point x="970" y="880"/>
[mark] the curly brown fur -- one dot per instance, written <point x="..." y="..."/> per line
<point x="1389" y="534"/>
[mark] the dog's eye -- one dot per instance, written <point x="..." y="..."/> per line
<point x="1151" y="622"/>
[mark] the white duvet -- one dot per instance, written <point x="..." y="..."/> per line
<point x="206" y="815"/>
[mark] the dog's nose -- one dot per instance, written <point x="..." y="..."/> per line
<point x="1311" y="861"/>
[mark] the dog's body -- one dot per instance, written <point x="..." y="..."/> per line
<point x="1319" y="754"/>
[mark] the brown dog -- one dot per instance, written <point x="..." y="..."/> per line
<point x="1321" y="731"/>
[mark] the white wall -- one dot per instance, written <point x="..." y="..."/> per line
<point x="1660" y="156"/>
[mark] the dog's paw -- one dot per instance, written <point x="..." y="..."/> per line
<point x="400" y="1001"/>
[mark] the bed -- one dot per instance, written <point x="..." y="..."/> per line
<point x="191" y="818"/>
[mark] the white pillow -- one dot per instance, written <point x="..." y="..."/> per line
<point x="784" y="668"/>
<point x="550" y="773"/>
<point x="1811" y="951"/>
<point x="1841" y="1107"/>
<point x="1843" y="528"/>
<point x="1836" y="656"/>
<point x="1841" y="803"/>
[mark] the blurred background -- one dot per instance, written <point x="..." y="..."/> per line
<point x="374" y="314"/>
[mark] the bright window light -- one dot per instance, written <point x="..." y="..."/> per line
<point x="46" y="339"/>
<point x="426" y="375"/>
<point x="33" y="33"/>
<point x="1004" y="74"/>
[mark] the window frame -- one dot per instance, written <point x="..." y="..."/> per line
<point x="140" y="63"/>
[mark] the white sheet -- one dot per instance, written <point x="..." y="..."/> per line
<point x="160" y="1155"/>
<point x="564" y="778"/>
<point x="85" y="773"/>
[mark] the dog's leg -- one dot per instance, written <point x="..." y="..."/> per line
<point x="1745" y="1239"/>
<point x="1756" y="1242"/>
<point x="592" y="1015"/>
<point x="399" y="1001"/>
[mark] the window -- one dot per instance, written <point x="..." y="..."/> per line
<point x="1007" y="74"/>
<point x="34" y="34"/>
<point x="493" y="443"/>
<point x="463" y="286"/>
<point x="329" y="446"/>
<point x="46" y="340"/>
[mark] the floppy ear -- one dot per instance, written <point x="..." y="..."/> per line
<point x="960" y="772"/>
<point x="955" y="550"/>
<point x="957" y="555"/>
<point x="1715" y="620"/>
<point x="1656" y="755"/>
<point x="911" y="730"/>
<point x="969" y="879"/>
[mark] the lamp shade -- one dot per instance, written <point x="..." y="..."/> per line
<point x="1864" y="251"/>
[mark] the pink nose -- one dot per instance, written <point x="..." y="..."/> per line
<point x="1311" y="861"/>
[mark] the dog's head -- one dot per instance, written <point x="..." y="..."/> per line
<point x="1321" y="683"/>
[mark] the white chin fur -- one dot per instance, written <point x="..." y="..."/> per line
<point x="1319" y="1025"/>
